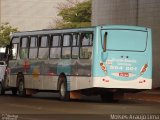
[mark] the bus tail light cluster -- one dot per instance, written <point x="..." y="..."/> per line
<point x="104" y="80"/>
<point x="142" y="81"/>
<point x="144" y="69"/>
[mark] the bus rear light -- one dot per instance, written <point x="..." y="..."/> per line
<point x="104" y="80"/>
<point x="142" y="81"/>
<point x="143" y="69"/>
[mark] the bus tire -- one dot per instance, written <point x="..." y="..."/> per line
<point x="21" y="88"/>
<point x="107" y="97"/>
<point x="2" y="91"/>
<point x="63" y="93"/>
<point x="14" y="91"/>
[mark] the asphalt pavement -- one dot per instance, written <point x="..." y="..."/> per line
<point x="147" y="95"/>
<point x="47" y="106"/>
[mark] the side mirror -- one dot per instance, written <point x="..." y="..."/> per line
<point x="105" y="42"/>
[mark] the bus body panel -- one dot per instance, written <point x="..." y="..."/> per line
<point x="127" y="62"/>
<point x="43" y="74"/>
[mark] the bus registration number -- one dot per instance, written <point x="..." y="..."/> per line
<point x="124" y="74"/>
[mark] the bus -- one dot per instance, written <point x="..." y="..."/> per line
<point x="100" y="60"/>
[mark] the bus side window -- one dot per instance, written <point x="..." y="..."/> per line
<point x="55" y="50"/>
<point x="86" y="43"/>
<point x="43" y="47"/>
<point x="75" y="46"/>
<point x="66" y="48"/>
<point x="15" y="40"/>
<point x="14" y="51"/>
<point x="24" y="48"/>
<point x="33" y="47"/>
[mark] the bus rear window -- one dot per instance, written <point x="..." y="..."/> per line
<point x="126" y="40"/>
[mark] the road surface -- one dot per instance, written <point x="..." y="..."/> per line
<point x="45" y="106"/>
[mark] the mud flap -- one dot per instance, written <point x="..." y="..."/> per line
<point x="75" y="95"/>
<point x="30" y="92"/>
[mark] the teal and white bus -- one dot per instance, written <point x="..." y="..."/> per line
<point x="102" y="60"/>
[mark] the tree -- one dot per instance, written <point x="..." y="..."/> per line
<point x="5" y="31"/>
<point x="74" y="14"/>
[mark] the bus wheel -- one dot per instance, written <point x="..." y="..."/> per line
<point x="107" y="97"/>
<point x="63" y="93"/>
<point x="14" y="91"/>
<point x="21" y="88"/>
<point x="2" y="91"/>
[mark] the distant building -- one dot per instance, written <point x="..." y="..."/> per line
<point x="132" y="12"/>
<point x="29" y="14"/>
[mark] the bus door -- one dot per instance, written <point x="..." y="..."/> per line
<point x="124" y="54"/>
<point x="11" y="60"/>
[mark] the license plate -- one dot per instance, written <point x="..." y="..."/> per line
<point x="124" y="74"/>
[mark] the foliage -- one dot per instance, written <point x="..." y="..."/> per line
<point x="74" y="14"/>
<point x="5" y="31"/>
<point x="61" y="24"/>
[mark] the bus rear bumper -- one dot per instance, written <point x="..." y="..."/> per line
<point x="107" y="82"/>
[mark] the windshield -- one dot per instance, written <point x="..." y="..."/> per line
<point x="126" y="40"/>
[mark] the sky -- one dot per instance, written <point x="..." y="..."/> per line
<point x="30" y="14"/>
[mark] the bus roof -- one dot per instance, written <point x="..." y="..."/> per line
<point x="53" y="31"/>
<point x="124" y="27"/>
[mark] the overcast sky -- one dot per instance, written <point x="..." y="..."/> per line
<point x="29" y="14"/>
